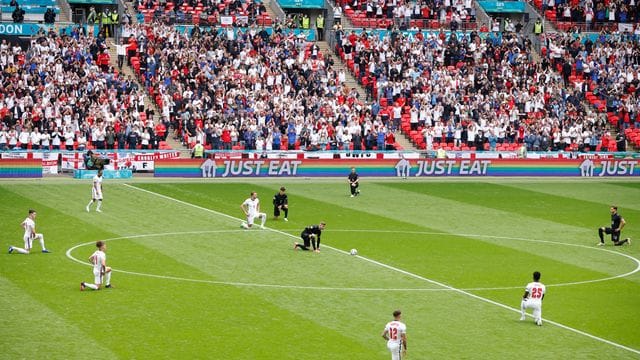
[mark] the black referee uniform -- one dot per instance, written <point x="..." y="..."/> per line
<point x="617" y="223"/>
<point x="281" y="202"/>
<point x="308" y="239"/>
<point x="354" y="182"/>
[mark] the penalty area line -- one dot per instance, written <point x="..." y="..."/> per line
<point x="407" y="273"/>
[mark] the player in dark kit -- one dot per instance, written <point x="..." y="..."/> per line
<point x="281" y="203"/>
<point x="354" y="180"/>
<point x="311" y="237"/>
<point x="617" y="223"/>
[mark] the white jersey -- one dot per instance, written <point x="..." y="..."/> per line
<point x="536" y="291"/>
<point x="252" y="206"/>
<point x="97" y="259"/>
<point x="29" y="227"/>
<point x="395" y="330"/>
<point x="96" y="190"/>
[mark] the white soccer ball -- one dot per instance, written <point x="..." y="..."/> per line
<point x="353" y="252"/>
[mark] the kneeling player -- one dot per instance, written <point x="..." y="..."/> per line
<point x="617" y="223"/>
<point x="100" y="268"/>
<point x="281" y="203"/>
<point x="311" y="237"/>
<point x="30" y="234"/>
<point x="532" y="299"/>
<point x="251" y="209"/>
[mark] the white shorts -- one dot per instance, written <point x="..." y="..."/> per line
<point x="396" y="350"/>
<point x="28" y="240"/>
<point x="97" y="277"/>
<point x="95" y="194"/>
<point x="536" y="306"/>
<point x="251" y="217"/>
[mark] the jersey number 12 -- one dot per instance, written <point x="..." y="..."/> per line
<point x="393" y="333"/>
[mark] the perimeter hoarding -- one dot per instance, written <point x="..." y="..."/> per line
<point x="20" y="168"/>
<point x="398" y="167"/>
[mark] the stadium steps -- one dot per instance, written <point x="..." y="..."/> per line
<point x="338" y="65"/>
<point x="267" y="5"/>
<point x="65" y="11"/>
<point x="148" y="103"/>
<point x="351" y="82"/>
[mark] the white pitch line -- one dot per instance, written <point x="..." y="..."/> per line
<point x="230" y="283"/>
<point x="416" y="276"/>
<point x="636" y="260"/>
<point x="280" y="286"/>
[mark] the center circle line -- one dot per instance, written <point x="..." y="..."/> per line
<point x="280" y="286"/>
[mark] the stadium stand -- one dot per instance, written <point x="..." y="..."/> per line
<point x="55" y="95"/>
<point x="474" y="93"/>
<point x="607" y="71"/>
<point x="385" y="14"/>
<point x="249" y="90"/>
<point x="204" y="12"/>
<point x="589" y="15"/>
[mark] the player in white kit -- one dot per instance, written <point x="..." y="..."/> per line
<point x="29" y="226"/>
<point x="532" y="298"/>
<point x="100" y="268"/>
<point x="251" y="209"/>
<point x="395" y="332"/>
<point x="96" y="192"/>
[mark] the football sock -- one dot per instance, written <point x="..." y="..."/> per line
<point x="42" y="242"/>
<point x="20" y="250"/>
<point x="107" y="278"/>
<point x="99" y="205"/>
<point x="91" y="286"/>
<point x="89" y="204"/>
<point x="263" y="217"/>
<point x="600" y="233"/>
<point x="286" y="212"/>
<point x="522" y="308"/>
<point x="621" y="242"/>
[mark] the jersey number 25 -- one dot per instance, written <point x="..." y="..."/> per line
<point x="536" y="293"/>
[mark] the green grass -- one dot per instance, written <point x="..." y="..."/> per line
<point x="189" y="283"/>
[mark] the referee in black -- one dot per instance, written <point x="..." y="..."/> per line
<point x="354" y="180"/>
<point x="311" y="237"/>
<point x="281" y="203"/>
<point x="617" y="223"/>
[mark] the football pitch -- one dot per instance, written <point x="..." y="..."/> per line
<point x="188" y="282"/>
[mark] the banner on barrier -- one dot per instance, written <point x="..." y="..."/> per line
<point x="398" y="167"/>
<point x="107" y="174"/>
<point x="20" y="168"/>
<point x="134" y="161"/>
<point x="301" y="4"/>
<point x="503" y="6"/>
<point x="49" y="159"/>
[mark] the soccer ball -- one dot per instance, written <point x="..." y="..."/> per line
<point x="353" y="252"/>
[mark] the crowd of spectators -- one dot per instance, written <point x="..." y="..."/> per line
<point x="60" y="94"/>
<point x="203" y="12"/>
<point x="475" y="93"/>
<point x="405" y="14"/>
<point x="253" y="90"/>
<point x="590" y="14"/>
<point x="249" y="89"/>
<point x="606" y="71"/>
